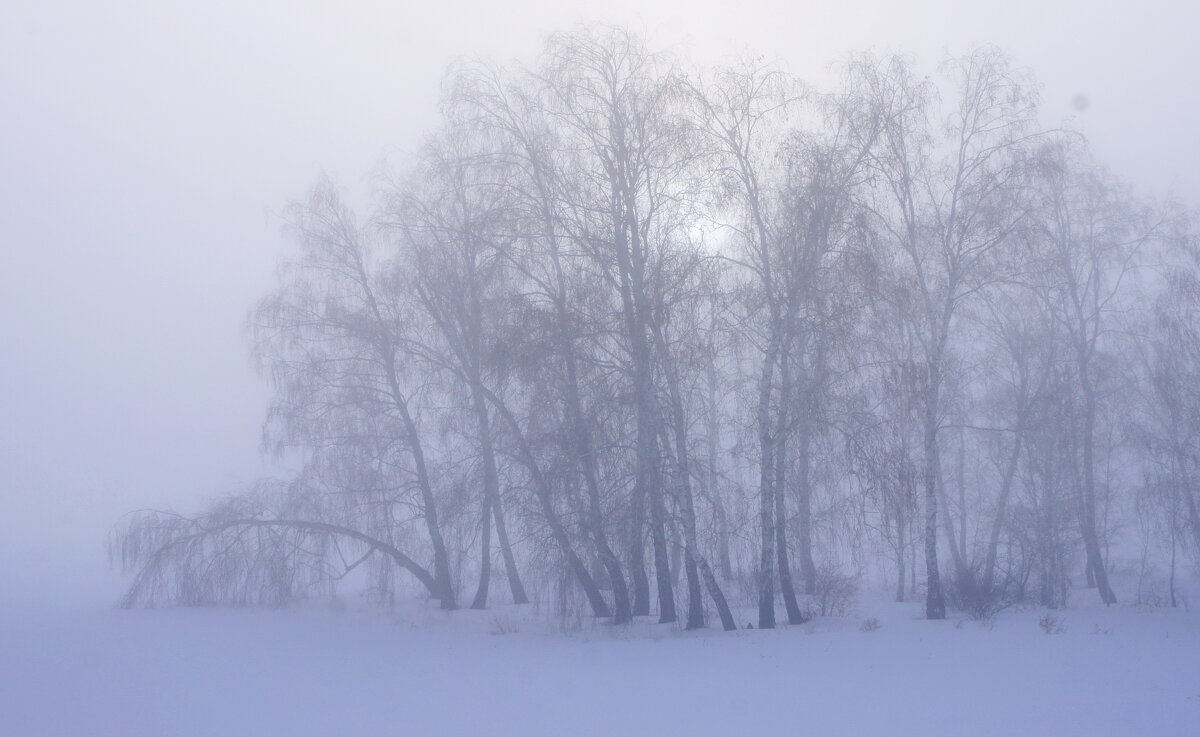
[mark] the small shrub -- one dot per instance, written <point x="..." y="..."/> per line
<point x="870" y="625"/>
<point x="967" y="593"/>
<point x="833" y="591"/>
<point x="1051" y="625"/>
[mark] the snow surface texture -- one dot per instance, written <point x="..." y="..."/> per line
<point x="324" y="673"/>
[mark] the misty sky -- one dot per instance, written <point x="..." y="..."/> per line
<point x="144" y="148"/>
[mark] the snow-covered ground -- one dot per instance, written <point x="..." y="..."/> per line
<point x="320" y="673"/>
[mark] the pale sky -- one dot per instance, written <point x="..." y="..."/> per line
<point x="145" y="146"/>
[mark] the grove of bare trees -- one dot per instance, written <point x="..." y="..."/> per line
<point x="647" y="340"/>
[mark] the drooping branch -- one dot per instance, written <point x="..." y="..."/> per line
<point x="215" y="559"/>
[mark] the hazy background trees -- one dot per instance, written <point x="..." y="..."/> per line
<point x="725" y="332"/>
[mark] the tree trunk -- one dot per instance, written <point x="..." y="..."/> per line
<point x="766" y="571"/>
<point x="1087" y="520"/>
<point x="506" y="551"/>
<point x="637" y="554"/>
<point x="1010" y="471"/>
<point x="491" y="484"/>
<point x="485" y="564"/>
<point x="808" y="568"/>
<point x="782" y="432"/>
<point x="647" y="479"/>
<point x="662" y="562"/>
<point x="961" y="573"/>
<point x="935" y="601"/>
<point x="960" y="474"/>
<point x="900" y="550"/>
<point x="711" y="477"/>
<point x="429" y="511"/>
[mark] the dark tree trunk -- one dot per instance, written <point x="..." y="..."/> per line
<point x="429" y="511"/>
<point x="795" y="616"/>
<point x="935" y="601"/>
<point x="766" y="591"/>
<point x="510" y="562"/>
<point x="712" y="478"/>
<point x="662" y="562"/>
<point x="637" y="554"/>
<point x="485" y="563"/>
<point x="782" y="433"/>
<point x="808" y="568"/>
<point x="1091" y="539"/>
<point x="900" y="553"/>
<point x="491" y="484"/>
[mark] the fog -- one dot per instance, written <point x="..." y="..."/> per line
<point x="589" y="368"/>
<point x="147" y="147"/>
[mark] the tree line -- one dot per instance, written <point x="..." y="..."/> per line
<point x="649" y="338"/>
